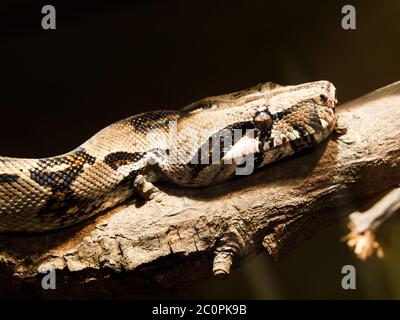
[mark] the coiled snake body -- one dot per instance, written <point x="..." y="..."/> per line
<point x="44" y="194"/>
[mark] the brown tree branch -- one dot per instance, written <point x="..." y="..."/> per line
<point x="182" y="236"/>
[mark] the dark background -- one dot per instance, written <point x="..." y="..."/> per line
<point x="109" y="60"/>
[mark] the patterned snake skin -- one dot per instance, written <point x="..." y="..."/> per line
<point x="38" y="195"/>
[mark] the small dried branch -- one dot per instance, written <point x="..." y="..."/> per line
<point x="364" y="226"/>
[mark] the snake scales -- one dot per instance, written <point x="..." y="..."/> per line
<point x="38" y="195"/>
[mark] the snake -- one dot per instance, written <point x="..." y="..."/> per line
<point x="200" y="145"/>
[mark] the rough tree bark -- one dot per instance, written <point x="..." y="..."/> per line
<point x="182" y="236"/>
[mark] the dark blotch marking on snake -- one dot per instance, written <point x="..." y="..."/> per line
<point x="116" y="159"/>
<point x="59" y="204"/>
<point x="314" y="119"/>
<point x="8" y="178"/>
<point x="62" y="197"/>
<point x="146" y="122"/>
<point x="217" y="144"/>
<point x="265" y="137"/>
<point x="60" y="180"/>
<point x="303" y="143"/>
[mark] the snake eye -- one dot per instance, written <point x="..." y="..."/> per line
<point x="263" y="120"/>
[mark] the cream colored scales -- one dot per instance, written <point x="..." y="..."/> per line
<point x="200" y="145"/>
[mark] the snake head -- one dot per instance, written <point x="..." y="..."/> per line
<point x="295" y="118"/>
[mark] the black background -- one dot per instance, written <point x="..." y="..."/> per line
<point x="110" y="59"/>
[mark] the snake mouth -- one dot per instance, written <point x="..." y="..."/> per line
<point x="336" y="99"/>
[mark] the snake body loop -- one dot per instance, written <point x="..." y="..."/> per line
<point x="38" y="195"/>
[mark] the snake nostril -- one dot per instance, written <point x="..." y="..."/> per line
<point x="323" y="98"/>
